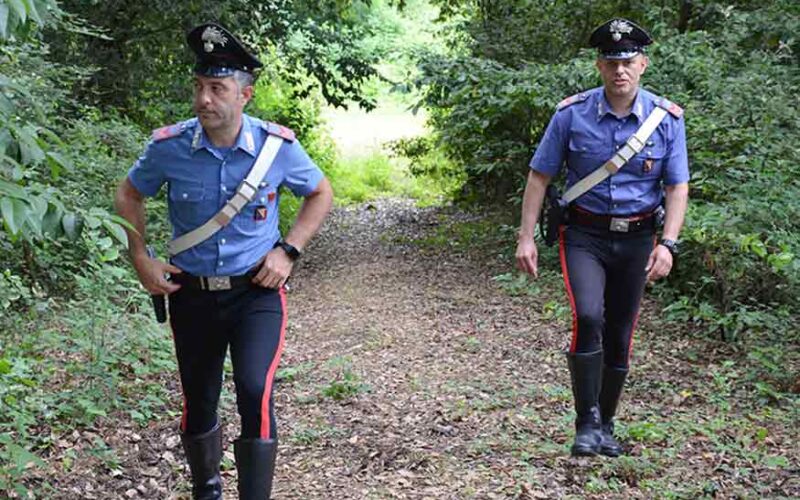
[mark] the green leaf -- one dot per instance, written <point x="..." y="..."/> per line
<point x="116" y="231"/>
<point x="33" y="13"/>
<point x="7" y="211"/>
<point x="5" y="366"/>
<point x="57" y="163"/>
<point x="93" y="222"/>
<point x="19" y="9"/>
<point x="3" y="21"/>
<point x="29" y="149"/>
<point x="72" y="226"/>
<point x="51" y="222"/>
<point x="13" y="190"/>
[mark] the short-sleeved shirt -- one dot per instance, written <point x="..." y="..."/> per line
<point x="201" y="178"/>
<point x="585" y="134"/>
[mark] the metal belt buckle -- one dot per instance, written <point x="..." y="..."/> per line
<point x="216" y="283"/>
<point x="619" y="225"/>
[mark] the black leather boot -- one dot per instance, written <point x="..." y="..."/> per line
<point x="613" y="382"/>
<point x="586" y="370"/>
<point x="204" y="452"/>
<point x="255" y="462"/>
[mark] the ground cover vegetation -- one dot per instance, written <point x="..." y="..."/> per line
<point x="82" y="84"/>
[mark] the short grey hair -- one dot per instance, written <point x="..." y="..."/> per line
<point x="243" y="78"/>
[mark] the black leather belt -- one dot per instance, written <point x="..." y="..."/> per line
<point x="214" y="283"/>
<point x="629" y="224"/>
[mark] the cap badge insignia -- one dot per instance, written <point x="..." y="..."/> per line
<point x="212" y="36"/>
<point x="619" y="28"/>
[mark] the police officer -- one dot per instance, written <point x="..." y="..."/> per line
<point x="608" y="247"/>
<point x="225" y="291"/>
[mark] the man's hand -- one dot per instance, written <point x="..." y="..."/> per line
<point x="275" y="270"/>
<point x="659" y="264"/>
<point x="152" y="275"/>
<point x="527" y="256"/>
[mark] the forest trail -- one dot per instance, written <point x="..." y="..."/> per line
<point x="409" y="372"/>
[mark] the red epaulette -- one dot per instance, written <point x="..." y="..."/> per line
<point x="281" y="131"/>
<point x="670" y="106"/>
<point x="167" y="132"/>
<point x="569" y="101"/>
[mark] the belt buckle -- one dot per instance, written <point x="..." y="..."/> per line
<point x="217" y="283"/>
<point x="619" y="225"/>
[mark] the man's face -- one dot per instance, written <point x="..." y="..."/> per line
<point x="218" y="102"/>
<point x="621" y="77"/>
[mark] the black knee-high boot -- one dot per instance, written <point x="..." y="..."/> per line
<point x="613" y="382"/>
<point x="255" y="463"/>
<point x="586" y="372"/>
<point x="204" y="452"/>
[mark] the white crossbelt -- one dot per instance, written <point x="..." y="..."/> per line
<point x="631" y="148"/>
<point x="244" y="195"/>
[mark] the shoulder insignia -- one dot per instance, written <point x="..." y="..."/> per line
<point x="280" y="131"/>
<point x="569" y="101"/>
<point x="168" y="132"/>
<point x="670" y="106"/>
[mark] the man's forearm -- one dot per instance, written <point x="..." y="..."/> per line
<point x="312" y="212"/>
<point x="130" y="206"/>
<point x="677" y="198"/>
<point x="532" y="203"/>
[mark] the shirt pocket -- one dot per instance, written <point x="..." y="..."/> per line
<point x="262" y="207"/>
<point x="185" y="199"/>
<point x="586" y="153"/>
<point x="649" y="162"/>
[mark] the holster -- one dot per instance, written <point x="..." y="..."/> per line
<point x="159" y="301"/>
<point x="553" y="216"/>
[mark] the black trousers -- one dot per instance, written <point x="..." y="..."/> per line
<point x="604" y="273"/>
<point x="249" y="320"/>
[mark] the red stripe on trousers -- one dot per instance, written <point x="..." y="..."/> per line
<point x="272" y="369"/>
<point x="562" y="252"/>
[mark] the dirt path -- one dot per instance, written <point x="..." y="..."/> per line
<point x="410" y="373"/>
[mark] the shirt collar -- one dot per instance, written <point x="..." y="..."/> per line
<point x="603" y="107"/>
<point x="245" y="141"/>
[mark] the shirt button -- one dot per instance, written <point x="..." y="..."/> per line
<point x="263" y="200"/>
<point x="224" y="189"/>
<point x="221" y="263"/>
<point x="223" y="164"/>
<point x="185" y="195"/>
<point x="222" y="242"/>
<point x="613" y="187"/>
<point x="615" y="206"/>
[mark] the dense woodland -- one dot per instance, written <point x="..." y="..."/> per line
<point x="84" y="82"/>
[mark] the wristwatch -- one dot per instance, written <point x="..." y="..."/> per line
<point x="290" y="249"/>
<point x="671" y="245"/>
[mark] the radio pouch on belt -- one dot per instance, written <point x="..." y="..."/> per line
<point x="554" y="215"/>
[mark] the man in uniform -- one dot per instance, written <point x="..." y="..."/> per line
<point x="226" y="289"/>
<point x="608" y="246"/>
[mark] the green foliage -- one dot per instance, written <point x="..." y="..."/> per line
<point x="144" y="64"/>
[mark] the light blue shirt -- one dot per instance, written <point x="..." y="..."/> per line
<point x="585" y="134"/>
<point x="202" y="178"/>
